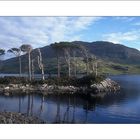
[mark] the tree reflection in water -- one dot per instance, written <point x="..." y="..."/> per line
<point x="89" y="105"/>
<point x="57" y="118"/>
<point x="66" y="107"/>
<point x="70" y="102"/>
<point x="32" y="104"/>
<point x="66" y="114"/>
<point x="28" y="105"/>
<point x="41" y="106"/>
<point x="19" y="104"/>
<point x="74" y="110"/>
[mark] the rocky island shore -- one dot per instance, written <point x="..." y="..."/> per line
<point x="106" y="85"/>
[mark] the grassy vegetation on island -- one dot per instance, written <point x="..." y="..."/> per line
<point x="62" y="81"/>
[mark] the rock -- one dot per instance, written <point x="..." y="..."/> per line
<point x="22" y="87"/>
<point x="7" y="88"/>
<point x="50" y="87"/>
<point x="44" y="86"/>
<point x="27" y="85"/>
<point x="13" y="85"/>
<point x="6" y="93"/>
<point x="106" y="85"/>
<point x="18" y="118"/>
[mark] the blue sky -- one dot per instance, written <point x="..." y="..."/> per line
<point x="41" y="31"/>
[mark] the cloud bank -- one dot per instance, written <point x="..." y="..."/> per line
<point x="120" y="37"/>
<point x="41" y="31"/>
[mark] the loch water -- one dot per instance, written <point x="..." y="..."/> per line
<point x="120" y="107"/>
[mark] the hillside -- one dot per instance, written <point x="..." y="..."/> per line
<point x="113" y="52"/>
<point x="114" y="58"/>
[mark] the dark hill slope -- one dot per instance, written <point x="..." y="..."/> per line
<point x="113" y="52"/>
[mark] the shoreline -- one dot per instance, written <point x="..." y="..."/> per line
<point x="106" y="85"/>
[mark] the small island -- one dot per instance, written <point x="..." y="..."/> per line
<point x="85" y="86"/>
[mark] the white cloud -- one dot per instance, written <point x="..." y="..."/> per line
<point x="125" y="19"/>
<point x="83" y="22"/>
<point x="41" y="31"/>
<point x="119" y="37"/>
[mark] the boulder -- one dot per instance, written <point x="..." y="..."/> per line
<point x="7" y="88"/>
<point x="106" y="85"/>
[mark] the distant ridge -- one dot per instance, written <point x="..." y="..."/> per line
<point x="113" y="52"/>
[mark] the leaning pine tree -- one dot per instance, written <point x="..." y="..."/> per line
<point x="28" y="49"/>
<point x="2" y="52"/>
<point x="40" y="63"/>
<point x="58" y="50"/>
<point x="17" y="53"/>
<point x="85" y="54"/>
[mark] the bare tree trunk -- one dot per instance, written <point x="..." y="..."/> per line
<point x="96" y="71"/>
<point x="43" y="75"/>
<point x="19" y="66"/>
<point x="69" y="68"/>
<point x="58" y="66"/>
<point x="93" y="69"/>
<point x="87" y="66"/>
<point x="32" y="69"/>
<point x="29" y="57"/>
<point x="92" y="64"/>
<point x="85" y="53"/>
<point x="41" y="64"/>
<point x="75" y="64"/>
<point x="68" y="61"/>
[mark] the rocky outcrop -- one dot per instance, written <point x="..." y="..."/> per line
<point x="106" y="85"/>
<point x="17" y="118"/>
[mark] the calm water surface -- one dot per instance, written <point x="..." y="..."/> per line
<point x="121" y="107"/>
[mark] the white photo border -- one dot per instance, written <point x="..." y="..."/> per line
<point x="70" y="8"/>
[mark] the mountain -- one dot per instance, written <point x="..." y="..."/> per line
<point x="113" y="52"/>
<point x="106" y="51"/>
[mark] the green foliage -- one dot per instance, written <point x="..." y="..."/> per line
<point x="73" y="81"/>
<point x="90" y="79"/>
<point x="13" y="80"/>
<point x="2" y="51"/>
<point x="26" y="48"/>
<point x="36" y="82"/>
<point x="14" y="50"/>
<point x="64" y="45"/>
<point x="63" y="81"/>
